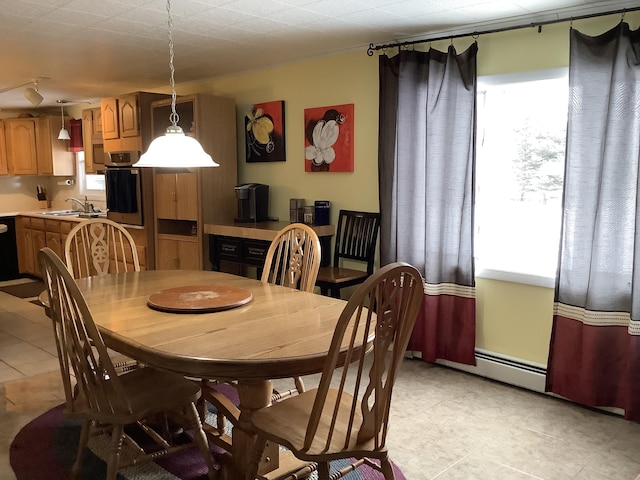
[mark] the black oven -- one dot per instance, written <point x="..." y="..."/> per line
<point x="123" y="184"/>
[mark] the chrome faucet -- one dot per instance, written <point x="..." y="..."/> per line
<point x="86" y="206"/>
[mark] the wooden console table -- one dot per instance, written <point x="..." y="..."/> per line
<point x="247" y="243"/>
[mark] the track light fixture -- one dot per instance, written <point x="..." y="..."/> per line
<point x="33" y="95"/>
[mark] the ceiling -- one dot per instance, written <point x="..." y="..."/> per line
<point x="88" y="49"/>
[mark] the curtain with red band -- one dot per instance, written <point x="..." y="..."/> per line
<point x="594" y="356"/>
<point x="426" y="180"/>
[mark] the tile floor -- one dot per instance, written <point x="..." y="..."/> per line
<point x="445" y="424"/>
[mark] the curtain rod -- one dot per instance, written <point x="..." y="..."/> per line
<point x="373" y="47"/>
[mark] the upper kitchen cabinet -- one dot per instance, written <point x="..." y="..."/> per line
<point x="125" y="125"/>
<point x="4" y="168"/>
<point x="54" y="158"/>
<point x="92" y="140"/>
<point x="22" y="156"/>
<point x="33" y="147"/>
<point x="186" y="200"/>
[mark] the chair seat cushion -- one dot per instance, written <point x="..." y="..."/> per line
<point x="286" y="423"/>
<point x="339" y="275"/>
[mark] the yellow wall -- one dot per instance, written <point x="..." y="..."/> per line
<point x="513" y="319"/>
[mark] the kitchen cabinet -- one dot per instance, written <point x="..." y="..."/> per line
<point x="22" y="156"/>
<point x="35" y="233"/>
<point x="178" y="252"/>
<point x="31" y="238"/>
<point x="4" y="168"/>
<point x="124" y="121"/>
<point x="33" y="147"/>
<point x="53" y="155"/>
<point x="186" y="199"/>
<point x="177" y="195"/>
<point x="92" y="140"/>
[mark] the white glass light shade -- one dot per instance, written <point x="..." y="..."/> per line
<point x="33" y="96"/>
<point x="175" y="149"/>
<point x="64" y="134"/>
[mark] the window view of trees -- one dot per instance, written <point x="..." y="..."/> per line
<point x="519" y="175"/>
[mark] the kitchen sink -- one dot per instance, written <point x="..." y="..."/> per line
<point x="74" y="213"/>
<point x="61" y="213"/>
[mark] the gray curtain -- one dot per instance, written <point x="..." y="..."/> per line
<point x="595" y="346"/>
<point x="426" y="183"/>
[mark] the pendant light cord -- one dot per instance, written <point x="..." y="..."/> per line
<point x="173" y="117"/>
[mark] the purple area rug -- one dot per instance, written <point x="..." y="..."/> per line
<point x="46" y="448"/>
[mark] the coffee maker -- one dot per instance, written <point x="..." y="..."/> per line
<point x="253" y="202"/>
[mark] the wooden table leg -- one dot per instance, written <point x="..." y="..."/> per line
<point x="253" y="396"/>
<point x="274" y="463"/>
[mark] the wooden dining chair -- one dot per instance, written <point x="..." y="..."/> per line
<point x="99" y="246"/>
<point x="293" y="258"/>
<point x="356" y="238"/>
<point x="347" y="415"/>
<point x="101" y="397"/>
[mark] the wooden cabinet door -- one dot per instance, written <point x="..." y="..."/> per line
<point x="4" y="167"/>
<point x="44" y="135"/>
<point x="188" y="255"/>
<point x="128" y="116"/>
<point x="109" y="109"/>
<point x="54" y="242"/>
<point x="165" y="193"/>
<point x="187" y="196"/>
<point x="96" y="125"/>
<point x="167" y="255"/>
<point x="22" y="157"/>
<point x="175" y="254"/>
<point x="87" y="142"/>
<point x="24" y="245"/>
<point x="39" y="241"/>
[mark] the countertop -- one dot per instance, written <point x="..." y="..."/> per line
<point x="43" y="214"/>
<point x="259" y="230"/>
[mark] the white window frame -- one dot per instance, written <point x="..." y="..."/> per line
<point x="485" y="271"/>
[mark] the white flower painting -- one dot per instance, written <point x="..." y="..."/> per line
<point x="329" y="139"/>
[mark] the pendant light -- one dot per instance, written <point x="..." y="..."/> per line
<point x="64" y="134"/>
<point x="174" y="148"/>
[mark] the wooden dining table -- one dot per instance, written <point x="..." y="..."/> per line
<point x="278" y="333"/>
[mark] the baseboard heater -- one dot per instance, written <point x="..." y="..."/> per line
<point x="509" y="370"/>
<point x="503" y="368"/>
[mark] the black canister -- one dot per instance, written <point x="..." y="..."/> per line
<point x="322" y="212"/>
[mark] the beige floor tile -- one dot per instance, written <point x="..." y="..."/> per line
<point x="21" y="353"/>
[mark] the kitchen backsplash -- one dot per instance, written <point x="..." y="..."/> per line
<point x="19" y="194"/>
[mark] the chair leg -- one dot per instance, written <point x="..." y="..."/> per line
<point x="387" y="469"/>
<point x="324" y="291"/>
<point x="201" y="438"/>
<point x="82" y="447"/>
<point x="117" y="435"/>
<point x="335" y="292"/>
<point x="299" y="384"/>
<point x="323" y="470"/>
<point x="254" y="459"/>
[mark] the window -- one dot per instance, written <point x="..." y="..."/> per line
<point x="88" y="183"/>
<point x="519" y="175"/>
